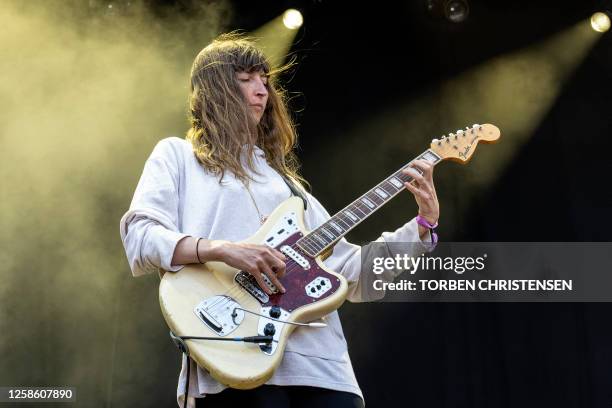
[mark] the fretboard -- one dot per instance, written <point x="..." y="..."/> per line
<point x="328" y="233"/>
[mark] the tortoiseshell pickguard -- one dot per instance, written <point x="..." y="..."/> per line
<point x="296" y="279"/>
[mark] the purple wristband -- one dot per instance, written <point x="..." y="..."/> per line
<point x="424" y="223"/>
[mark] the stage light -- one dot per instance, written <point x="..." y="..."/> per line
<point x="600" y="22"/>
<point x="276" y="37"/>
<point x="456" y="11"/>
<point x="292" y="19"/>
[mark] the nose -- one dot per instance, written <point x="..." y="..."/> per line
<point x="260" y="89"/>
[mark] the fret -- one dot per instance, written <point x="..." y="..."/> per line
<point x="360" y="207"/>
<point x="318" y="238"/>
<point x="344" y="224"/>
<point x="337" y="227"/>
<point x="329" y="234"/>
<point x="374" y="198"/>
<point x="314" y="245"/>
<point x="396" y="182"/>
<point x="381" y="193"/>
<point x="367" y="202"/>
<point x="307" y="245"/>
<point x="352" y="216"/>
<point x="389" y="188"/>
<point x="430" y="156"/>
<point x="313" y="242"/>
<point x="404" y="177"/>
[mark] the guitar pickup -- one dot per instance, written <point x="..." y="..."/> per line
<point x="318" y="287"/>
<point x="248" y="283"/>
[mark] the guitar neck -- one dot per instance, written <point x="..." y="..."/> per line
<point x="327" y="234"/>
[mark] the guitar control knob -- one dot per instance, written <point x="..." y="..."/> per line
<point x="269" y="330"/>
<point x="275" y="312"/>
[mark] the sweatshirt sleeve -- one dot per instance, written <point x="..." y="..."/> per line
<point x="346" y="258"/>
<point x="149" y="229"/>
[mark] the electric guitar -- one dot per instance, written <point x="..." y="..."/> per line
<point x="217" y="302"/>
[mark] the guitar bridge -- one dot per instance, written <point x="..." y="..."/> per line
<point x="219" y="314"/>
<point x="248" y="283"/>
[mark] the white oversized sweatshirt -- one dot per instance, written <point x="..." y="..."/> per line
<point x="176" y="197"/>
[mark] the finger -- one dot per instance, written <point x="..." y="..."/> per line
<point x="272" y="276"/>
<point x="418" y="180"/>
<point x="426" y="179"/>
<point x="260" y="281"/>
<point x="278" y="266"/>
<point x="276" y="260"/>
<point x="425" y="166"/>
<point x="280" y="269"/>
<point x="418" y="192"/>
<point x="277" y="254"/>
<point x="414" y="173"/>
<point x="422" y="164"/>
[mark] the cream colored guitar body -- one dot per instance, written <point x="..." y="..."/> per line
<point x="237" y="364"/>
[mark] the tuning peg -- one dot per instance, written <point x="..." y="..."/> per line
<point x="460" y="132"/>
<point x="435" y="141"/>
<point x="476" y="125"/>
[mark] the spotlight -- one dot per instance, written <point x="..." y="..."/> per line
<point x="292" y="19"/>
<point x="456" y="11"/>
<point x="600" y="22"/>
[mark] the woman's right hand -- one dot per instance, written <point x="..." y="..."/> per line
<point x="252" y="258"/>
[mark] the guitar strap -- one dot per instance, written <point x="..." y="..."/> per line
<point x="295" y="190"/>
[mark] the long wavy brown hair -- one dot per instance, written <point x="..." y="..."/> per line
<point x="219" y="117"/>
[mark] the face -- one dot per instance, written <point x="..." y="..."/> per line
<point x="255" y="90"/>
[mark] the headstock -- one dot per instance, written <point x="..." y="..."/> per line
<point x="461" y="145"/>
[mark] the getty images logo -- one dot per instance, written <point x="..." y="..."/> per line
<point x="459" y="264"/>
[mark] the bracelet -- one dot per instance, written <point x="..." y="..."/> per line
<point x="197" y="251"/>
<point x="424" y="223"/>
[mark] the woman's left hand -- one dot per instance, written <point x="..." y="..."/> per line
<point x="422" y="187"/>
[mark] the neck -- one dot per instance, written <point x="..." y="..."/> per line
<point x="326" y="235"/>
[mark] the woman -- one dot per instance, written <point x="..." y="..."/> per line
<point x="198" y="198"/>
